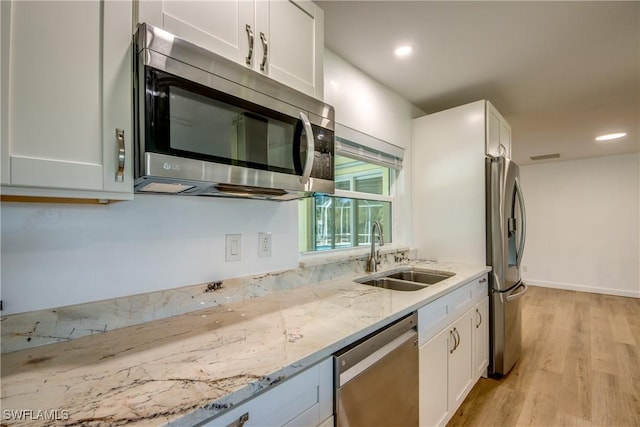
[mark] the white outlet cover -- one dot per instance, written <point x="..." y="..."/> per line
<point x="264" y="244"/>
<point x="233" y="247"/>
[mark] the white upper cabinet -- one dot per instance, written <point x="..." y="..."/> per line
<point x="66" y="99"/>
<point x="498" y="133"/>
<point x="223" y="27"/>
<point x="296" y="51"/>
<point x="280" y="38"/>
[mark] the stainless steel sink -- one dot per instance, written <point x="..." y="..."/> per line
<point x="422" y="276"/>
<point x="396" y="285"/>
<point x="408" y="279"/>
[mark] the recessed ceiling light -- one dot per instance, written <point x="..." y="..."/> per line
<point x="611" y="136"/>
<point x="403" y="51"/>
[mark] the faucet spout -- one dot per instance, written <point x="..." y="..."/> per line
<point x="374" y="258"/>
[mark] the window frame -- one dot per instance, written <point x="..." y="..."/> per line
<point x="356" y="195"/>
<point x="356" y="145"/>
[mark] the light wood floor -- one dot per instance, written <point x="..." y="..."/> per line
<point x="580" y="366"/>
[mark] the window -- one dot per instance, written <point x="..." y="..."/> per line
<point x="364" y="179"/>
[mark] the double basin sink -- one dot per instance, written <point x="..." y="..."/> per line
<point x="407" y="279"/>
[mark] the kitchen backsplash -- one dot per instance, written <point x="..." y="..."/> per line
<point x="41" y="327"/>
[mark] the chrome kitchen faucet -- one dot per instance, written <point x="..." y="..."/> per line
<point x="374" y="259"/>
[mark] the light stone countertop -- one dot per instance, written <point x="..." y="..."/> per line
<point x="184" y="369"/>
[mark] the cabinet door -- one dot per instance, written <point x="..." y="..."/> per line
<point x="481" y="338"/>
<point x="305" y="399"/>
<point x="68" y="82"/>
<point x="498" y="133"/>
<point x="461" y="370"/>
<point x="287" y="37"/>
<point x="505" y="137"/>
<point x="433" y="317"/>
<point x="434" y="367"/>
<point x="218" y="26"/>
<point x="296" y="42"/>
<point x="493" y="131"/>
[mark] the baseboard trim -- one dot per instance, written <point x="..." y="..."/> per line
<point x="581" y="288"/>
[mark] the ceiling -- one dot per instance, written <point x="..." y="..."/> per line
<point x="561" y="73"/>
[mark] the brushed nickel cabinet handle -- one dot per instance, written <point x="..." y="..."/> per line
<point x="456" y="339"/>
<point x="265" y="52"/>
<point x="250" y="38"/>
<point x="121" y="155"/>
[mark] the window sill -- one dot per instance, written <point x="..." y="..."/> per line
<point x="343" y="255"/>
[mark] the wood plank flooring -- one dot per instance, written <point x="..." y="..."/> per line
<point x="580" y="366"/>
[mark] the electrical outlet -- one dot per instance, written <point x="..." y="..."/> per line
<point x="264" y="244"/>
<point x="524" y="268"/>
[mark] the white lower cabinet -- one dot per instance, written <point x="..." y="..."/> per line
<point x="306" y="399"/>
<point x="454" y="343"/>
<point x="446" y="371"/>
<point x="434" y="377"/>
<point x="461" y="372"/>
<point x="329" y="422"/>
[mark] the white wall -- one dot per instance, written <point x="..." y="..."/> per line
<point x="583" y="221"/>
<point x="366" y="105"/>
<point x="55" y="255"/>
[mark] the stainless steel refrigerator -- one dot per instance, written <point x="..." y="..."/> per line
<point x="506" y="232"/>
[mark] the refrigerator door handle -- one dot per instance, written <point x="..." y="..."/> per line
<point x="523" y="229"/>
<point x="496" y="287"/>
<point x="517" y="295"/>
<point x="496" y="283"/>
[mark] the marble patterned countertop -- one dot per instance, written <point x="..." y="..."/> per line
<point x="187" y="368"/>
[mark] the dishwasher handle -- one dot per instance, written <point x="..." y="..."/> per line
<point x="373" y="358"/>
<point x="353" y="355"/>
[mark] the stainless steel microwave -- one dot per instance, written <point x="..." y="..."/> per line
<point x="206" y="125"/>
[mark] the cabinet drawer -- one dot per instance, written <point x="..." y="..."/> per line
<point x="480" y="289"/>
<point x="461" y="300"/>
<point x="305" y="399"/>
<point x="439" y="313"/>
<point x="432" y="318"/>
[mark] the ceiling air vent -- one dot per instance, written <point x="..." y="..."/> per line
<point x="545" y="157"/>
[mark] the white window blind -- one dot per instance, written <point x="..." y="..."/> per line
<point x="357" y="145"/>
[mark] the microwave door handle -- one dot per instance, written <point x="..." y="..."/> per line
<point x="523" y="216"/>
<point x="308" y="165"/>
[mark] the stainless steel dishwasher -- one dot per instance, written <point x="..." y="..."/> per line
<point x="377" y="378"/>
